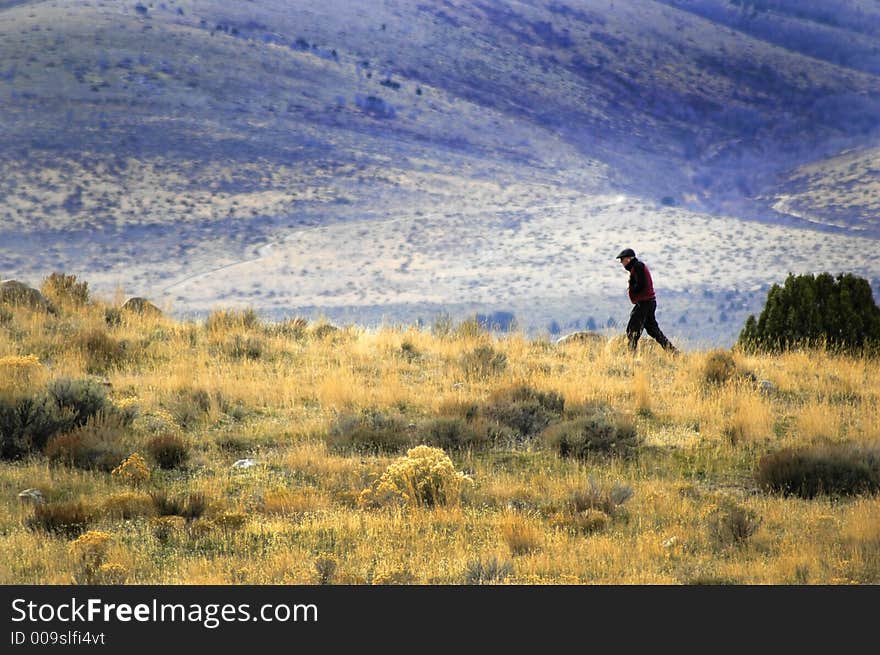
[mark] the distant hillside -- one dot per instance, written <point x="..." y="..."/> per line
<point x="145" y="143"/>
<point x="843" y="191"/>
<point x="843" y="32"/>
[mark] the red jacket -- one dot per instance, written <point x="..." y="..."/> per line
<point x="641" y="286"/>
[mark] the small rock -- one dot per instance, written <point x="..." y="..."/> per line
<point x="34" y="496"/>
<point x="767" y="387"/>
<point x="588" y="337"/>
<point x="245" y="463"/>
<point x="141" y="306"/>
<point x="669" y="543"/>
<point x="13" y="292"/>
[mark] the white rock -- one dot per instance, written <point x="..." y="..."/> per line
<point x="31" y="496"/>
<point x="588" y="337"/>
<point x="244" y="463"/>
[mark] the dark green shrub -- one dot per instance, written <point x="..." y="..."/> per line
<point x="719" y="368"/>
<point x="196" y="505"/>
<point x="325" y="568"/>
<point x="442" y="326"/>
<point x="79" y="400"/>
<point x="464" y="409"/>
<point x="452" y="433"/>
<point x="409" y="352"/>
<point x="816" y="311"/>
<point x="292" y="328"/>
<point x="168" y="451"/>
<point x="597" y="435"/>
<point x="221" y="320"/>
<point x="79" y="451"/>
<point x="524" y="418"/>
<point x="101" y="351"/>
<point x="372" y="431"/>
<point x="190" y="406"/>
<point x="190" y="506"/>
<point x="239" y="347"/>
<point x="237" y="412"/>
<point x="470" y="328"/>
<point x="731" y="524"/>
<point x="235" y="444"/>
<point x="26" y="425"/>
<point x="829" y="469"/>
<point x="5" y="316"/>
<point x="592" y="509"/>
<point x="525" y="410"/>
<point x="324" y="330"/>
<point x="112" y="316"/>
<point x="549" y="400"/>
<point x="93" y="446"/>
<point x="608" y="500"/>
<point x="482" y="362"/>
<point x="69" y="519"/>
<point x="491" y="571"/>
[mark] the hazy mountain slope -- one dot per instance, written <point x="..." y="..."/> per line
<point x="844" y="32"/>
<point x="150" y="145"/>
<point x="674" y="104"/>
<point x="843" y="191"/>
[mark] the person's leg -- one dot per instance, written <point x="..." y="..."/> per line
<point x="653" y="329"/>
<point x="635" y="326"/>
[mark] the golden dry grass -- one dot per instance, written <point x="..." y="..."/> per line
<point x="294" y="516"/>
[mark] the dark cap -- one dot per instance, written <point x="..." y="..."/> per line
<point x="626" y="252"/>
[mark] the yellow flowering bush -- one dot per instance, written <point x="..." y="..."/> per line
<point x="424" y="477"/>
<point x="89" y="552"/>
<point x="128" y="401"/>
<point x="91" y="545"/>
<point x="133" y="470"/>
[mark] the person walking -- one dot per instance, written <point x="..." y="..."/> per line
<point x="644" y="300"/>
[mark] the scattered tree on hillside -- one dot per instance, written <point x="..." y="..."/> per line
<point x="838" y="313"/>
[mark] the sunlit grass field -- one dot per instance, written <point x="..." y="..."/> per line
<point x="287" y="453"/>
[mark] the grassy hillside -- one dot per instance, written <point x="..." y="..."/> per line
<point x="545" y="463"/>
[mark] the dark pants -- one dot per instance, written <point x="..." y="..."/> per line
<point x="642" y="318"/>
